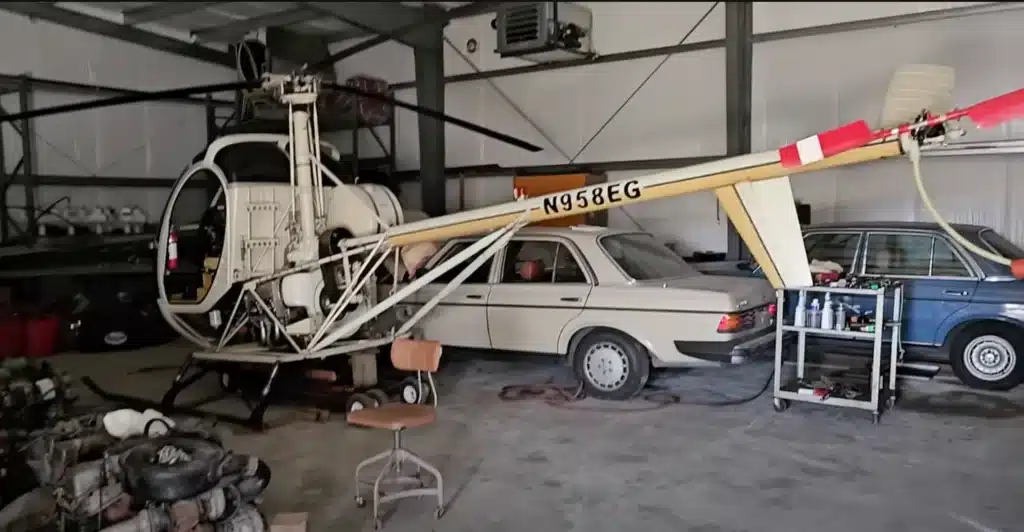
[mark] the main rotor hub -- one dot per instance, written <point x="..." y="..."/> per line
<point x="294" y="89"/>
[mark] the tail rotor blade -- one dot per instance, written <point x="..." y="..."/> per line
<point x="130" y="98"/>
<point x="438" y="116"/>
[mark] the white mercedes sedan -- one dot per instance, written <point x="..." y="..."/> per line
<point x="615" y="303"/>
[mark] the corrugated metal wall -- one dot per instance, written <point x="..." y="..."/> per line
<point x="140" y="140"/>
<point x="806" y="85"/>
<point x="801" y="86"/>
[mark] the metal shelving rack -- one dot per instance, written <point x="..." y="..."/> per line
<point x="882" y="377"/>
<point x="23" y="171"/>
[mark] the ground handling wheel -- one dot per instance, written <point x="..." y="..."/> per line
<point x="780" y="405"/>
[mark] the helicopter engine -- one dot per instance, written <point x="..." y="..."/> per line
<point x="302" y="299"/>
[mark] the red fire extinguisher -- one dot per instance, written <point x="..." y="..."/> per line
<point x="172" y="250"/>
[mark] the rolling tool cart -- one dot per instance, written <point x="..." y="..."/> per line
<point x="852" y="388"/>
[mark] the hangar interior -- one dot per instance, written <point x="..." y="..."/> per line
<point x="655" y="410"/>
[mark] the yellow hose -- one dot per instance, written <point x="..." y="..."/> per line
<point x="914" y="153"/>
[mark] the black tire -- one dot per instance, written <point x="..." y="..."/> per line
<point x="631" y="355"/>
<point x="409" y="391"/>
<point x="358" y="401"/>
<point x="379" y="397"/>
<point x="150" y="480"/>
<point x="999" y="340"/>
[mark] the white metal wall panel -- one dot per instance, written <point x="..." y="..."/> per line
<point x="680" y="112"/>
<point x="141" y="140"/>
<point x="807" y="85"/>
<point x="473" y="193"/>
<point x="781" y="16"/>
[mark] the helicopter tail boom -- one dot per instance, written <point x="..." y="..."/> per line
<point x="737" y="173"/>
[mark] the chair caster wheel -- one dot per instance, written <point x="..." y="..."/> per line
<point x="377" y="525"/>
<point x="360" y="502"/>
<point x="780" y="405"/>
<point x="439" y="512"/>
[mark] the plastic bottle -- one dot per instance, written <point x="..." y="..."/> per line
<point x="814" y="315"/>
<point x="827" y="314"/>
<point x="800" y="315"/>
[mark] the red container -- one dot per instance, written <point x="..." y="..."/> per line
<point x="12" y="339"/>
<point x="41" y="335"/>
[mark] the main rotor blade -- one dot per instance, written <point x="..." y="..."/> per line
<point x="130" y="98"/>
<point x="438" y="116"/>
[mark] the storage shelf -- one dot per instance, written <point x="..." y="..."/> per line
<point x="830" y="332"/>
<point x="791" y="391"/>
<point x="878" y="392"/>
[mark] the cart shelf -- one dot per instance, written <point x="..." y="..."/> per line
<point x="878" y="386"/>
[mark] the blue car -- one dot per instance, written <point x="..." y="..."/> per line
<point x="958" y="307"/>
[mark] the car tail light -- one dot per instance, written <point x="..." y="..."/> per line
<point x="773" y="309"/>
<point x="730" y="323"/>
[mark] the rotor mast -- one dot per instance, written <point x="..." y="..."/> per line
<point x="299" y="92"/>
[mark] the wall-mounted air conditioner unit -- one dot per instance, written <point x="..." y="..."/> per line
<point x="544" y="32"/>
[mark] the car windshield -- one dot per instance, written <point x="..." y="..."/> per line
<point x="642" y="258"/>
<point x="1000" y="244"/>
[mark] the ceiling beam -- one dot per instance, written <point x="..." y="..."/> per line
<point x="163" y="10"/>
<point x="113" y="30"/>
<point x="383" y="18"/>
<point x="233" y="30"/>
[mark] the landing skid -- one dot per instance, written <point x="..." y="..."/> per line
<point x="262" y="378"/>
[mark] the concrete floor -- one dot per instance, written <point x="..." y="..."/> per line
<point x="515" y="466"/>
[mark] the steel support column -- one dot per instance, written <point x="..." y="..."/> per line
<point x="739" y="65"/>
<point x="27" y="161"/>
<point x="429" y="62"/>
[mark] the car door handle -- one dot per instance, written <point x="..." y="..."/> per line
<point x="955" y="292"/>
<point x="474" y="296"/>
<point x="570" y="299"/>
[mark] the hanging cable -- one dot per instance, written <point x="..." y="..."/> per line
<point x="508" y="99"/>
<point x="644" y="82"/>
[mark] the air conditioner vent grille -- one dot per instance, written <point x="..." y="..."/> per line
<point x="522" y="24"/>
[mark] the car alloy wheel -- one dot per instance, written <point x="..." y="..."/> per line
<point x="606" y="366"/>
<point x="990" y="358"/>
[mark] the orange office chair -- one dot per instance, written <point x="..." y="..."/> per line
<point x="421" y="356"/>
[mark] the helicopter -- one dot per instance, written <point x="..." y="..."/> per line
<point x="312" y="267"/>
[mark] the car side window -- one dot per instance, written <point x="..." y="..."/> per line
<point x="540" y="261"/>
<point x="840" y="248"/>
<point x="567" y="269"/>
<point x="945" y="262"/>
<point x="480" y="276"/>
<point x="898" y="254"/>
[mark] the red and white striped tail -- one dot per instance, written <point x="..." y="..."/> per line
<point x="817" y="147"/>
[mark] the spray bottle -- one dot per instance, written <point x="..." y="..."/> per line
<point x="800" y="315"/>
<point x="827" y="314"/>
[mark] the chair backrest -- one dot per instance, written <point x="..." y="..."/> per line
<point x="415" y="355"/>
